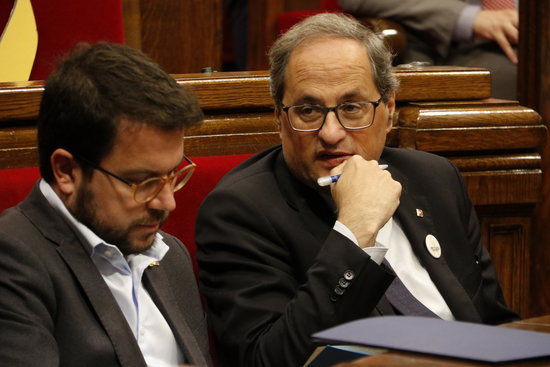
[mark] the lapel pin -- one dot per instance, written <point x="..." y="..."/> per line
<point x="154" y="263"/>
<point x="432" y="244"/>
<point x="420" y="213"/>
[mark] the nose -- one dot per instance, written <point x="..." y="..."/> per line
<point x="332" y="131"/>
<point x="164" y="200"/>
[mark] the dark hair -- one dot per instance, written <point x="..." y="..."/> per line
<point x="96" y="86"/>
<point x="327" y="25"/>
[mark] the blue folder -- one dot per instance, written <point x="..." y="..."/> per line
<point x="442" y="338"/>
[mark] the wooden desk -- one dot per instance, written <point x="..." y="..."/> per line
<point x="392" y="358"/>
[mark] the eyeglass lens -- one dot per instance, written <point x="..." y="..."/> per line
<point x="148" y="189"/>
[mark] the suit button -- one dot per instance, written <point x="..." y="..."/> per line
<point x="349" y="275"/>
<point x="343" y="283"/>
<point x="339" y="291"/>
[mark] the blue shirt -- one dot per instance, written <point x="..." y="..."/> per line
<point x="123" y="275"/>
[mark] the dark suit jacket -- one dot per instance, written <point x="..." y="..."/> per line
<point x="55" y="308"/>
<point x="270" y="261"/>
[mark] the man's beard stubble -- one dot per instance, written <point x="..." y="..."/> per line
<point x="84" y="211"/>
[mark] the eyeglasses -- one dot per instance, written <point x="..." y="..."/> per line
<point x="148" y="189"/>
<point x="351" y="115"/>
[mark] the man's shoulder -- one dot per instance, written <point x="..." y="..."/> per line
<point x="33" y="212"/>
<point x="407" y="157"/>
<point x="14" y="220"/>
<point x="260" y="166"/>
<point x="173" y="242"/>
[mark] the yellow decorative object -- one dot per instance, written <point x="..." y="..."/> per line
<point x="18" y="43"/>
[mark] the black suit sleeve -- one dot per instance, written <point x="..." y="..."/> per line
<point x="270" y="282"/>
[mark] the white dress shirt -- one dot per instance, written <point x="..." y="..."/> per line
<point x="392" y="244"/>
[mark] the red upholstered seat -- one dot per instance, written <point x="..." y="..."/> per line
<point x="62" y="23"/>
<point x="15" y="184"/>
<point x="288" y="18"/>
<point x="181" y="222"/>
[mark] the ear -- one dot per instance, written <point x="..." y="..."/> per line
<point x="66" y="171"/>
<point x="390" y="107"/>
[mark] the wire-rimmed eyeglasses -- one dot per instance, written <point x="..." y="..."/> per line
<point x="148" y="189"/>
<point x="351" y="115"/>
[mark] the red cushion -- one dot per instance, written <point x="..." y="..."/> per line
<point x="5" y="10"/>
<point x="181" y="222"/>
<point x="288" y="18"/>
<point x="62" y="23"/>
<point x="330" y="5"/>
<point x="15" y="184"/>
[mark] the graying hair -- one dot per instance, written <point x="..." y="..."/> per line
<point x="328" y="25"/>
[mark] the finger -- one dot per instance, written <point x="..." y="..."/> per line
<point x="512" y="34"/>
<point x="507" y="48"/>
<point x="515" y="20"/>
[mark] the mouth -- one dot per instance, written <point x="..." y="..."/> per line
<point x="153" y="222"/>
<point x="333" y="159"/>
<point x="149" y="227"/>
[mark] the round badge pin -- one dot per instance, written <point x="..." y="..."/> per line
<point x="432" y="244"/>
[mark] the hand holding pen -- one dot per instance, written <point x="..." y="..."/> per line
<point x="365" y="190"/>
<point x="327" y="180"/>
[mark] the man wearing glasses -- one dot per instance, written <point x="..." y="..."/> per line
<point x="86" y="276"/>
<point x="282" y="257"/>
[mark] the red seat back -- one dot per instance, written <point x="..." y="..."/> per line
<point x="15" y="185"/>
<point x="62" y="23"/>
<point x="181" y="222"/>
<point x="288" y="18"/>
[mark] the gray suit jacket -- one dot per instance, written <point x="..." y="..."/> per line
<point x="55" y="308"/>
<point x="271" y="264"/>
<point x="429" y="25"/>
<point x="432" y="20"/>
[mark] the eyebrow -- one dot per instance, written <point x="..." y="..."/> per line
<point x="350" y="95"/>
<point x="309" y="99"/>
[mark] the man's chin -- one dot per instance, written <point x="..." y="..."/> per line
<point x="138" y="245"/>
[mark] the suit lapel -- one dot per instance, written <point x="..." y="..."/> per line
<point x="158" y="286"/>
<point x="416" y="227"/>
<point x="70" y="247"/>
<point x="315" y="213"/>
<point x="104" y="304"/>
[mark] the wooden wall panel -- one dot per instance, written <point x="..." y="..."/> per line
<point x="508" y="241"/>
<point x="533" y="91"/>
<point x="262" y="31"/>
<point x="183" y="36"/>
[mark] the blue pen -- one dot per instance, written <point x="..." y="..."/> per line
<point x="327" y="180"/>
